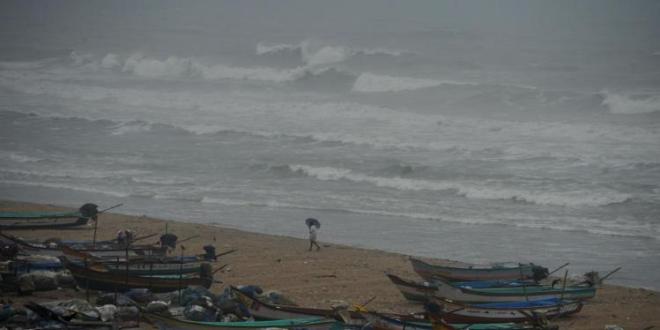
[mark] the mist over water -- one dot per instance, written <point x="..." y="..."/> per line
<point x="473" y="130"/>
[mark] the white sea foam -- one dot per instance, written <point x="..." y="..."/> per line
<point x="629" y="105"/>
<point x="162" y="180"/>
<point x="372" y="83"/>
<point x="589" y="225"/>
<point x="326" y="55"/>
<point x="266" y="48"/>
<point x="131" y="127"/>
<point x="74" y="173"/>
<point x="111" y="61"/>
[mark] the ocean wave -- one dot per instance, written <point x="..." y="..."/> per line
<point x="162" y="180"/>
<point x="373" y="83"/>
<point x="343" y="122"/>
<point x="587" y="225"/>
<point x="77" y="173"/>
<point x="95" y="190"/>
<point x="131" y="127"/>
<point x="629" y="104"/>
<point x="173" y="67"/>
<point x="493" y="191"/>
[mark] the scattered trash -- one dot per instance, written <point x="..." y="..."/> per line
<point x="107" y="312"/>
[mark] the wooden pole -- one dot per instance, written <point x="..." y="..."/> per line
<point x="522" y="280"/>
<point x="86" y="282"/>
<point x="126" y="261"/>
<point x="96" y="225"/>
<point x="111" y="207"/>
<point x="558" y="268"/>
<point x="609" y="274"/>
<point x="181" y="273"/>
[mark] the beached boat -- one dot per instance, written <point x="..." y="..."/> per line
<point x="167" y="322"/>
<point x="103" y="280"/>
<point x="47" y="219"/>
<point x="150" y="267"/>
<point x="479" y="273"/>
<point x="261" y="310"/>
<point x="384" y="322"/>
<point x="520" y="311"/>
<point x="98" y="249"/>
<point x="447" y="290"/>
<point x="421" y="291"/>
<point x="33" y="220"/>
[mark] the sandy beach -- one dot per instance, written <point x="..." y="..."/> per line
<point x="336" y="272"/>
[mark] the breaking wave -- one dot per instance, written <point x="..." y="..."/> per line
<point x="628" y="104"/>
<point x="471" y="190"/>
<point x="177" y="67"/>
<point x="314" y="53"/>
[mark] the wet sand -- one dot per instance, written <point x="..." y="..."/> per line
<point x="337" y="272"/>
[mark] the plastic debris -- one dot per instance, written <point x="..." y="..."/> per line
<point x="199" y="313"/>
<point x="107" y="312"/>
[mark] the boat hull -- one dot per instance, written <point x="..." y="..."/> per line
<point x="110" y="281"/>
<point x="450" y="292"/>
<point x="429" y="272"/>
<point x="170" y="323"/>
<point x="45" y="222"/>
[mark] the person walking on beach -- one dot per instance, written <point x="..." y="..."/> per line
<point x="314" y="226"/>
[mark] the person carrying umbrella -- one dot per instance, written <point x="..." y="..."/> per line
<point x="314" y="225"/>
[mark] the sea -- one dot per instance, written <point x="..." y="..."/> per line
<point x="481" y="131"/>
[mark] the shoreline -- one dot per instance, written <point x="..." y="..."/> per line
<point x="337" y="272"/>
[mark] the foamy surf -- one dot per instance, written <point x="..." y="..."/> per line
<point x="622" y="104"/>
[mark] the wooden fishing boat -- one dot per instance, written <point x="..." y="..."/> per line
<point x="151" y="265"/>
<point x="519" y="311"/>
<point x="148" y="267"/>
<point x="384" y="322"/>
<point x="261" y="310"/>
<point x="421" y="291"/>
<point x="167" y="322"/>
<point x="99" y="250"/>
<point x="103" y="280"/>
<point x="41" y="219"/>
<point x="479" y="273"/>
<point x="446" y="290"/>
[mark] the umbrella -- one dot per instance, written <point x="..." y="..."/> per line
<point x="312" y="222"/>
